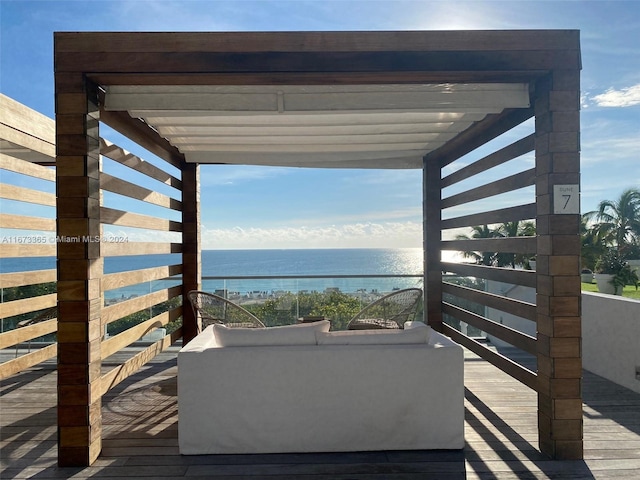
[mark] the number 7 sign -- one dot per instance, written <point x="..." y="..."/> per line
<point x="566" y="199"/>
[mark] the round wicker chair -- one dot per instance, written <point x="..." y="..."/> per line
<point x="390" y="311"/>
<point x="213" y="308"/>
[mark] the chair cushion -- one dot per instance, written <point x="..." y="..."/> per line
<point x="414" y="335"/>
<point x="299" y="334"/>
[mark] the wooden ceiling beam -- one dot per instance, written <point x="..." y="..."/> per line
<point x="371" y="41"/>
<point x="314" y="78"/>
<point x="316" y="62"/>
<point x="141" y="133"/>
<point x="479" y="134"/>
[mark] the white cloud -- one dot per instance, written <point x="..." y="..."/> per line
<point x="625" y="97"/>
<point x="355" y="235"/>
<point x="584" y="100"/>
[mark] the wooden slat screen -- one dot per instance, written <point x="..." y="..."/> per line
<point x="40" y="241"/>
<point x="505" y="364"/>
<point x="121" y="340"/>
<point x="125" y="279"/>
<point x="509" y="214"/>
<point x="504" y="185"/>
<point x="494" y="300"/>
<point x="28" y="294"/>
<point x="122" y="309"/>
<point x="140" y="211"/>
<point x="116" y="375"/>
<point x="134" y="162"/>
<point x="117" y="185"/>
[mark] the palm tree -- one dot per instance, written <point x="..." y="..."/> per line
<point x="515" y="229"/>
<point x="593" y="244"/>
<point x="618" y="221"/>
<point x="480" y="231"/>
<point x="500" y="259"/>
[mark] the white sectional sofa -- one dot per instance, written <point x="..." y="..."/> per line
<point x="304" y="389"/>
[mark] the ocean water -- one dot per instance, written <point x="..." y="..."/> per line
<point x="307" y="262"/>
<point x="356" y="261"/>
<point x="226" y="264"/>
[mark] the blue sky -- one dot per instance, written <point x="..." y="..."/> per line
<point x="252" y="207"/>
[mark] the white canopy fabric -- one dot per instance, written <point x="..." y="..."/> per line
<point x="319" y="126"/>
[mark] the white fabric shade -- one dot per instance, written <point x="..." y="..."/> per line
<point x="334" y="126"/>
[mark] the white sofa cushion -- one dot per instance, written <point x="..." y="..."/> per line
<point x="300" y="334"/>
<point x="320" y="398"/>
<point x="413" y="335"/>
<point x="415" y="324"/>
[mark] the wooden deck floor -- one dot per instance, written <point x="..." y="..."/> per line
<point x="140" y="436"/>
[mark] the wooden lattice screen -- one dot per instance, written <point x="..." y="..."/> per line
<point x="535" y="188"/>
<point x="493" y="184"/>
<point x="120" y="246"/>
<point x="28" y="296"/>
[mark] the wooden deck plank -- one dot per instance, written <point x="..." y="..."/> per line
<point x="140" y="435"/>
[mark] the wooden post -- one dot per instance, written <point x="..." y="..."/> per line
<point x="432" y="226"/>
<point x="79" y="271"/>
<point x="558" y="265"/>
<point x="191" y="250"/>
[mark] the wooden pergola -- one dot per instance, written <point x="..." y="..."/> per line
<point x="421" y="100"/>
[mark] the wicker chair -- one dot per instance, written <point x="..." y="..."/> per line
<point x="213" y="308"/>
<point x="390" y="311"/>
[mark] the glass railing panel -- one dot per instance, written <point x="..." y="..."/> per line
<point x="285" y="300"/>
<point x="282" y="300"/>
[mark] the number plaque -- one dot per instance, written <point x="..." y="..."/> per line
<point x="566" y="199"/>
